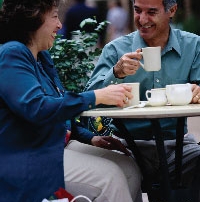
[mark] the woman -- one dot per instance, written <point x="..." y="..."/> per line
<point x="34" y="108"/>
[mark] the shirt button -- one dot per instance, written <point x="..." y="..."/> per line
<point x="111" y="82"/>
<point x="90" y="106"/>
<point x="157" y="80"/>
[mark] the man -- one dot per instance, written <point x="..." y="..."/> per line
<point x="119" y="63"/>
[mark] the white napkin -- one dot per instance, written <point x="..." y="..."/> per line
<point x="56" y="200"/>
<point x="141" y="104"/>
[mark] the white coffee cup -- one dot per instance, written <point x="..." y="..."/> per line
<point x="179" y="94"/>
<point x="152" y="58"/>
<point x="136" y="94"/>
<point x="156" y="97"/>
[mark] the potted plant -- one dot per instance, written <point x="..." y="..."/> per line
<point x="75" y="59"/>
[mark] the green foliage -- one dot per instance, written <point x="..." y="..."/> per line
<point x="192" y="25"/>
<point x="74" y="59"/>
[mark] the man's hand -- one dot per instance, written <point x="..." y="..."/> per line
<point x="128" y="64"/>
<point x="196" y="94"/>
<point x="108" y="142"/>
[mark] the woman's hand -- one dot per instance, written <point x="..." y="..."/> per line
<point x="114" y="95"/>
<point x="108" y="142"/>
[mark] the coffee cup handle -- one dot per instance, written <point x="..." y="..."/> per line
<point x="141" y="64"/>
<point x="147" y="93"/>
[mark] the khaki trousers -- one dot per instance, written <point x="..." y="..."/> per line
<point x="101" y="174"/>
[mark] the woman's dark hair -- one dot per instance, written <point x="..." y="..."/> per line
<point x="19" y="19"/>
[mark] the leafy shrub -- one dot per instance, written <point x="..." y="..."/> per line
<point x="75" y="59"/>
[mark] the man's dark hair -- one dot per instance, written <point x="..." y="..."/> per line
<point x="19" y="19"/>
<point x="166" y="3"/>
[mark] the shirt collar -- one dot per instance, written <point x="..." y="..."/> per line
<point x="171" y="45"/>
<point x="138" y="41"/>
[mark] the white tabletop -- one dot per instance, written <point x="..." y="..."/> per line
<point x="146" y="112"/>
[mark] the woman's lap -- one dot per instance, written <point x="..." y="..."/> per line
<point x="99" y="169"/>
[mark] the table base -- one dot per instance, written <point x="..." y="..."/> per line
<point x="163" y="191"/>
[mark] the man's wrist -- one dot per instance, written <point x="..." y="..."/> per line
<point x="118" y="71"/>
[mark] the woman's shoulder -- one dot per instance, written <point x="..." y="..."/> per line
<point x="14" y="48"/>
<point x="13" y="45"/>
<point x="16" y="51"/>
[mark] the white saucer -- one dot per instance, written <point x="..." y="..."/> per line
<point x="140" y="105"/>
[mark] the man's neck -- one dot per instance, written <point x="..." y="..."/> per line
<point x="161" y="41"/>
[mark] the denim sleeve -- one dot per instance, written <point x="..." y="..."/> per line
<point x="80" y="133"/>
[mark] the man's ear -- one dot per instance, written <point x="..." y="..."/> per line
<point x="172" y="10"/>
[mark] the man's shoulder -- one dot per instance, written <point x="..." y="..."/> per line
<point x="184" y="34"/>
<point x="124" y="39"/>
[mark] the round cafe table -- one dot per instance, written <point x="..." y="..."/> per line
<point x="154" y="114"/>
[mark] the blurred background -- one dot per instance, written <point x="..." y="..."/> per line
<point x="187" y="17"/>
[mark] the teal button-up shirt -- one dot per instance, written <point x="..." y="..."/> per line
<point x="180" y="64"/>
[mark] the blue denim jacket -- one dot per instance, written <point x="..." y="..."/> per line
<point x="32" y="124"/>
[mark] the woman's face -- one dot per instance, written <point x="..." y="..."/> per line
<point x="45" y="35"/>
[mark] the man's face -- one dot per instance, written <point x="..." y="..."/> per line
<point x="152" y="20"/>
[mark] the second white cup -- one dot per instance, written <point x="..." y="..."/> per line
<point x="157" y="96"/>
